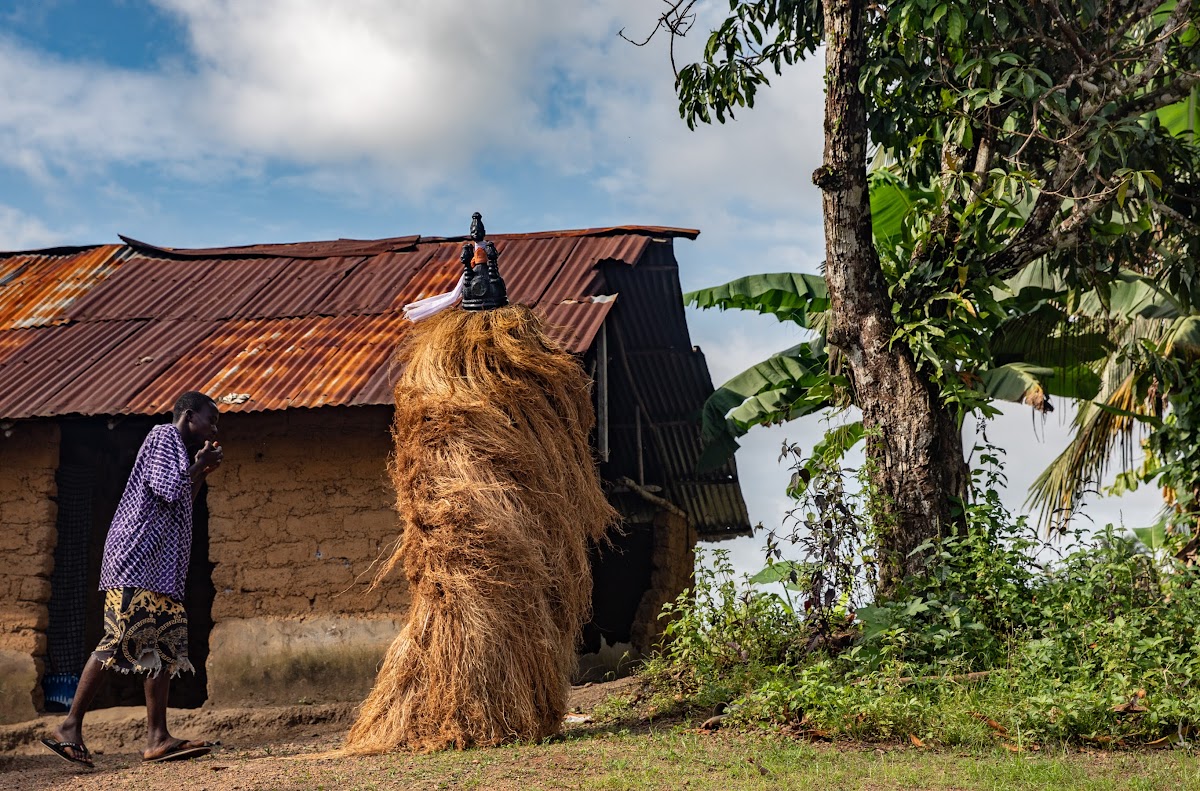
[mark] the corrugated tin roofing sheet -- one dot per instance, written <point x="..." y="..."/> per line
<point x="268" y="364"/>
<point x="125" y="372"/>
<point x="321" y="312"/>
<point x="40" y="290"/>
<point x="53" y="360"/>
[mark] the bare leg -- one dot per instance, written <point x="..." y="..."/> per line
<point x="90" y="681"/>
<point x="158" y="738"/>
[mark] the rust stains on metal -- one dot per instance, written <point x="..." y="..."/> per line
<point x="123" y="328"/>
<point x="38" y="290"/>
<point x="281" y="363"/>
<point x="54" y="360"/>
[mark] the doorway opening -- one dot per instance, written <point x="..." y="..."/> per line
<point x="95" y="461"/>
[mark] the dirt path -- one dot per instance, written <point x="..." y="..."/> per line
<point x="260" y="748"/>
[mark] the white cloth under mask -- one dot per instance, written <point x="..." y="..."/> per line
<point x="424" y="308"/>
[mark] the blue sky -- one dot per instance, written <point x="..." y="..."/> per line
<point x="214" y="122"/>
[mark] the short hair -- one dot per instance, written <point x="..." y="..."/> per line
<point x="193" y="400"/>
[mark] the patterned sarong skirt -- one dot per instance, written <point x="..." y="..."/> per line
<point x="144" y="632"/>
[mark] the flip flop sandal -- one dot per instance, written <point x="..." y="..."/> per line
<point x="181" y="752"/>
<point x="81" y="757"/>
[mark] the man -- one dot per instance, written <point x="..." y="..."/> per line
<point x="144" y="573"/>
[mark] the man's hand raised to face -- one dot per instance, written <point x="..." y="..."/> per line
<point x="210" y="456"/>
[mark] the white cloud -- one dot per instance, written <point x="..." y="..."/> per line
<point x="19" y="231"/>
<point x="407" y="83"/>
<point x="412" y="93"/>
<point x="71" y="120"/>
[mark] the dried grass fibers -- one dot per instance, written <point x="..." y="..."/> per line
<point x="499" y="498"/>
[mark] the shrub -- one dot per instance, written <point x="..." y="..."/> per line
<point x="1096" y="644"/>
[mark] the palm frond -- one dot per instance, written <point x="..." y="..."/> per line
<point x="1059" y="490"/>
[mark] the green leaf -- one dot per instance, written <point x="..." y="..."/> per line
<point x="955" y="25"/>
<point x="1182" y="117"/>
<point x="1154" y="537"/>
<point x="787" y="385"/>
<point x="1026" y="383"/>
<point x="1150" y="420"/>
<point x="1185" y="335"/>
<point x="1131" y="296"/>
<point x="1046" y="337"/>
<point x="789" y="296"/>
<point x="832" y="448"/>
<point x="779" y="572"/>
<point x="891" y="203"/>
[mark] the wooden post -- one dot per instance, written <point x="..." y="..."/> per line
<point x="602" y="392"/>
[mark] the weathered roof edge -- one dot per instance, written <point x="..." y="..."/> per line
<point x="649" y="230"/>
<point x="334" y="248"/>
<point x="62" y="249"/>
<point x="347" y="247"/>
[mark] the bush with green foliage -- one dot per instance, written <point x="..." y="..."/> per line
<point x="1097" y="641"/>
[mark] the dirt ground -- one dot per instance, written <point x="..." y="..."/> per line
<point x="267" y="748"/>
<point x="290" y="748"/>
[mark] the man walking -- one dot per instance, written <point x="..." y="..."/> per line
<point x="144" y="573"/>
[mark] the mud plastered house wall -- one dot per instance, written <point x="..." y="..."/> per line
<point x="297" y="518"/>
<point x="28" y="459"/>
<point x="295" y="341"/>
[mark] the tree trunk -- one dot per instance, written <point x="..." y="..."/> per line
<point x="919" y="471"/>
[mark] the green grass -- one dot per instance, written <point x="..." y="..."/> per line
<point x="678" y="758"/>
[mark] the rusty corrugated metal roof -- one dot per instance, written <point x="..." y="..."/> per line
<point x="109" y="316"/>
<point x="271" y="364"/>
<point x="39" y="290"/>
<point x="123" y="329"/>
<point x="55" y="359"/>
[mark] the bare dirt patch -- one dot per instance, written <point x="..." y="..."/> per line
<point x="269" y="747"/>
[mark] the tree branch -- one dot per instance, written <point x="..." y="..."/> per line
<point x="1163" y="96"/>
<point x="1191" y="225"/>
<point x="1069" y="31"/>
<point x="677" y="20"/>
<point x="1175" y="23"/>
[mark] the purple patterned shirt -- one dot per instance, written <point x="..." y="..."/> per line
<point x="150" y="541"/>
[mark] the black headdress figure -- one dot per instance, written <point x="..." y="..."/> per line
<point x="483" y="288"/>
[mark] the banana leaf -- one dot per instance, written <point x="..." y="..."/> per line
<point x="1045" y="337"/>
<point x="1131" y="295"/>
<point x="788" y="296"/>
<point x="1185" y="336"/>
<point x="1182" y="117"/>
<point x="785" y="386"/>
<point x="890" y="204"/>
<point x="1026" y="383"/>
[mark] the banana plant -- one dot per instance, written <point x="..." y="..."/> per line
<point x="1035" y="354"/>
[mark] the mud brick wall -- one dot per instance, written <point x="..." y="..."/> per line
<point x="674" y="561"/>
<point x="299" y="512"/>
<point x="28" y="460"/>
